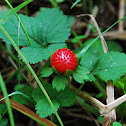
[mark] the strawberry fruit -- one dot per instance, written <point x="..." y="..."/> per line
<point x="63" y="60"/>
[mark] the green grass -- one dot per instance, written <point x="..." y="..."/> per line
<point x="4" y="90"/>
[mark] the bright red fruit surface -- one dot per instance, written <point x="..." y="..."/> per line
<point x="63" y="60"/>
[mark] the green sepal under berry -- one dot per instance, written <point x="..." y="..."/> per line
<point x="46" y="71"/>
<point x="65" y="97"/>
<point x="59" y="82"/>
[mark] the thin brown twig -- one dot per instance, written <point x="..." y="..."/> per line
<point x="94" y="13"/>
<point x="104" y="45"/>
<point x="121" y="14"/>
<point x="110" y="117"/>
<point x="88" y="113"/>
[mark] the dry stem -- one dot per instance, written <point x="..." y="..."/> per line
<point x="121" y="14"/>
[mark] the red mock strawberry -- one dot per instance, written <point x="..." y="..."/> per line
<point x="63" y="60"/>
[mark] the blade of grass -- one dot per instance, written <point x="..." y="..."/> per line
<point x="31" y="70"/>
<point x="26" y="9"/>
<point x="4" y="90"/>
<point x="18" y="92"/>
<point x="26" y="111"/>
<point x="19" y="18"/>
<point x="14" y="10"/>
<point x="77" y="1"/>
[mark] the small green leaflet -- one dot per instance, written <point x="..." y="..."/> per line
<point x="59" y="82"/>
<point x="62" y="98"/>
<point x="66" y="97"/>
<point x="47" y="32"/>
<point x="81" y="74"/>
<point x="116" y="124"/>
<point x="46" y="71"/>
<point x="111" y="66"/>
<point x="44" y="109"/>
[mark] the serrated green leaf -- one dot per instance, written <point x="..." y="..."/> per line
<point x="44" y="109"/>
<point x="49" y="27"/>
<point x="59" y="82"/>
<point x="34" y="55"/>
<point x="111" y="66"/>
<point x="66" y="97"/>
<point x="4" y="12"/>
<point x="46" y="71"/>
<point x="116" y="124"/>
<point x="81" y="74"/>
<point x="38" y="94"/>
<point x="53" y="47"/>
<point x="91" y="56"/>
<point x="54" y="26"/>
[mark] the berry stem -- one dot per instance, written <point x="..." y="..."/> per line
<point x="79" y="89"/>
<point x="69" y="82"/>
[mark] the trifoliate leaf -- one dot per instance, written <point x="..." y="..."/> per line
<point x="59" y="82"/>
<point x="46" y="71"/>
<point x="81" y="74"/>
<point x="44" y="109"/>
<point x="49" y="27"/>
<point x="66" y="97"/>
<point x="111" y="66"/>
